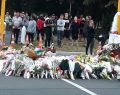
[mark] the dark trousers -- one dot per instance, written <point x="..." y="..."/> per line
<point x="48" y="34"/>
<point x="102" y="41"/>
<point x="40" y="32"/>
<point x="90" y="45"/>
<point x="16" y="34"/>
<point x="31" y="37"/>
<point x="67" y="34"/>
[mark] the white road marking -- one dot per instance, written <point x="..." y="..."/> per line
<point x="80" y="87"/>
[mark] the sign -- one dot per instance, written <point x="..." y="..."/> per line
<point x="114" y="39"/>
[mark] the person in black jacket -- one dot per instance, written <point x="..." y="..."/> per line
<point x="48" y="32"/>
<point x="90" y="39"/>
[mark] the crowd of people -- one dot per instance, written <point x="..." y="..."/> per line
<point x="64" y="26"/>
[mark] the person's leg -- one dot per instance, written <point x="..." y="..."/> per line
<point x="88" y="43"/>
<point x="61" y="37"/>
<point x="13" y="32"/>
<point x="46" y="41"/>
<point x="32" y="37"/>
<point x="42" y="33"/>
<point x="49" y="39"/>
<point x="58" y="38"/>
<point x="29" y="37"/>
<point x="103" y="41"/>
<point x="77" y="34"/>
<point x="91" y="46"/>
<point x="16" y="35"/>
<point x="38" y="32"/>
<point x="47" y="36"/>
<point x="73" y="38"/>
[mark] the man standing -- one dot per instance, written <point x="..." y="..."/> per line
<point x="17" y="22"/>
<point x="60" y="29"/>
<point x="67" y="26"/>
<point x="48" y="31"/>
<point x="40" y="27"/>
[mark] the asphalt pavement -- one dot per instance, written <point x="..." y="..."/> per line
<point x="21" y="86"/>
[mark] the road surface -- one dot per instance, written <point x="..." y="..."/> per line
<point x="21" y="86"/>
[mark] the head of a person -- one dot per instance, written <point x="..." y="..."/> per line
<point x="75" y="19"/>
<point x="7" y="13"/>
<point x="90" y="17"/>
<point x="41" y="16"/>
<point x="61" y="16"/>
<point x="26" y="14"/>
<point x="17" y="14"/>
<point x="66" y="15"/>
<point x="14" y="13"/>
<point x="87" y="18"/>
<point x="32" y="18"/>
<point x="53" y="16"/>
<point x="22" y="14"/>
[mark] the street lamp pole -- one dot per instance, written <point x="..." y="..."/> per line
<point x="118" y="17"/>
<point x="2" y="20"/>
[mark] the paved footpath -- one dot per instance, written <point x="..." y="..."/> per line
<point x="20" y="86"/>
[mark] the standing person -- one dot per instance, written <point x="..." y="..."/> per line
<point x="17" y="22"/>
<point x="40" y="27"/>
<point x="67" y="26"/>
<point x="60" y="29"/>
<point x="90" y="39"/>
<point x="54" y="27"/>
<point x="8" y="21"/>
<point x="91" y="22"/>
<point x="101" y="39"/>
<point x="79" y="20"/>
<point x="31" y="29"/>
<point x="75" y="30"/>
<point x="81" y="28"/>
<point x="25" y="21"/>
<point x="86" y="25"/>
<point x="48" y="32"/>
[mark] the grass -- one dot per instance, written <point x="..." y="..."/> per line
<point x="67" y="46"/>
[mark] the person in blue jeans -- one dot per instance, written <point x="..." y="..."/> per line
<point x="60" y="29"/>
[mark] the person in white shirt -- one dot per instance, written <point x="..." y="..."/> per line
<point x="60" y="29"/>
<point x="17" y="22"/>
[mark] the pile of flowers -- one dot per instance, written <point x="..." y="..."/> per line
<point x="29" y="63"/>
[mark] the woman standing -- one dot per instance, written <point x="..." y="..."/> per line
<point x="90" y="39"/>
<point x="75" y="30"/>
<point x="31" y="29"/>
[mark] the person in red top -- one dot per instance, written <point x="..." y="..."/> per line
<point x="40" y="28"/>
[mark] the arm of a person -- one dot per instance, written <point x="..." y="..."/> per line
<point x="37" y="23"/>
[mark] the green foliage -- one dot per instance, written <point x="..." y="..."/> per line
<point x="37" y="70"/>
<point x="88" y="2"/>
<point x="101" y="10"/>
